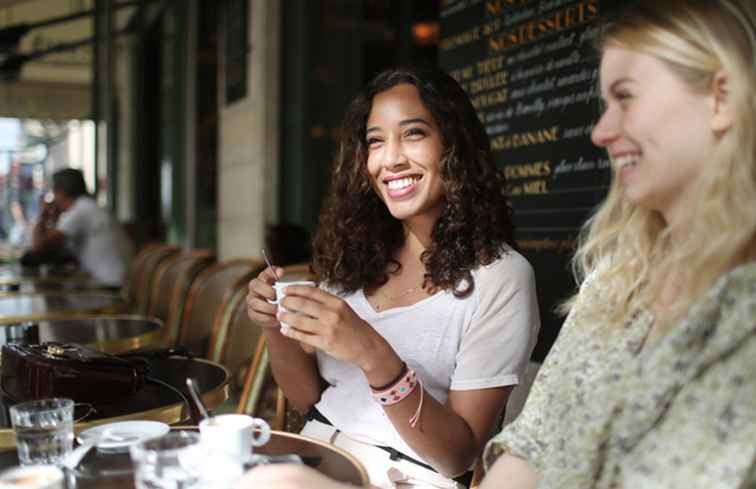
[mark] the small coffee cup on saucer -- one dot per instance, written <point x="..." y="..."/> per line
<point x="234" y="434"/>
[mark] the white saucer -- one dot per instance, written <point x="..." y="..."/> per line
<point x="120" y="436"/>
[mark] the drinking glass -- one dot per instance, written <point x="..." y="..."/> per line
<point x="172" y="461"/>
<point x="44" y="430"/>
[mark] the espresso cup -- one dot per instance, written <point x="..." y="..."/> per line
<point x="234" y="434"/>
<point x="280" y="287"/>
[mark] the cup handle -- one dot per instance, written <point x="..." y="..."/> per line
<point x="261" y="435"/>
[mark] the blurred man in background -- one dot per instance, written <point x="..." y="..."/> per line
<point x="73" y="222"/>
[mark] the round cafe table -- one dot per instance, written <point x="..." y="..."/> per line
<point x="22" y="307"/>
<point x="118" y="333"/>
<point x="42" y="271"/>
<point x="25" y="279"/>
<point x="98" y="470"/>
<point x="162" y="398"/>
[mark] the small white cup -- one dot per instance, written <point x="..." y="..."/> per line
<point x="280" y="286"/>
<point x="234" y="434"/>
<point x="32" y="477"/>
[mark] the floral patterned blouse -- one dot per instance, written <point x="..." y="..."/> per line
<point x="680" y="413"/>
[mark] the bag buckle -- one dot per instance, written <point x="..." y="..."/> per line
<point x="55" y="350"/>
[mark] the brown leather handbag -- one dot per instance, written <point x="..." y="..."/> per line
<point x="68" y="370"/>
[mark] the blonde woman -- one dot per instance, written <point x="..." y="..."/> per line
<point x="652" y="382"/>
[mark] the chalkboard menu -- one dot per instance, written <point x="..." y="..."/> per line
<point x="531" y="71"/>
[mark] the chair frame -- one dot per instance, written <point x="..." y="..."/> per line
<point x="179" y="291"/>
<point x="254" y="379"/>
<point x="164" y="253"/>
<point x="222" y="320"/>
<point x="259" y="368"/>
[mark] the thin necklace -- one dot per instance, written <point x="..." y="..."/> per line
<point x="390" y="298"/>
<point x="405" y="292"/>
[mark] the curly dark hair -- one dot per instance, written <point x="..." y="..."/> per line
<point x="356" y="241"/>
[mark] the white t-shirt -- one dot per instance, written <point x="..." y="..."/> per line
<point x="483" y="340"/>
<point x="96" y="240"/>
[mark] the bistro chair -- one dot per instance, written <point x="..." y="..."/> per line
<point x="129" y="289"/>
<point x="257" y="375"/>
<point x="208" y="305"/>
<point x="260" y="395"/>
<point x="234" y="340"/>
<point x="234" y="335"/>
<point x="136" y="268"/>
<point x="169" y="292"/>
<point x="142" y="275"/>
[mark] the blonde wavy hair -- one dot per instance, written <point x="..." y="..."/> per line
<point x="629" y="250"/>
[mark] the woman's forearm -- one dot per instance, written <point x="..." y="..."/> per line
<point x="295" y="371"/>
<point x="448" y="436"/>
<point x="510" y="472"/>
<point x="441" y="436"/>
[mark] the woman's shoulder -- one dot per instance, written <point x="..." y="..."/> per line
<point x="507" y="276"/>
<point x="509" y="267"/>
<point x="740" y="279"/>
<point x="734" y="294"/>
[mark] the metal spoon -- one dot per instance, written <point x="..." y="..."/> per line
<point x="270" y="265"/>
<point x="194" y="392"/>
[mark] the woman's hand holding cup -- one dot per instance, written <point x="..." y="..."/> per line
<point x="327" y="322"/>
<point x="265" y="295"/>
<point x="261" y="292"/>
<point x="280" y="288"/>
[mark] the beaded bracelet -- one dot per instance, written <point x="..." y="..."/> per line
<point x="395" y="380"/>
<point x="397" y="392"/>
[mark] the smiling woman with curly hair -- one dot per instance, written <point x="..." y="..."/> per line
<point x="426" y="315"/>
<point x="358" y="237"/>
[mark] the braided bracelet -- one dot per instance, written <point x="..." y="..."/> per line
<point x="397" y="392"/>
<point x="395" y="380"/>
